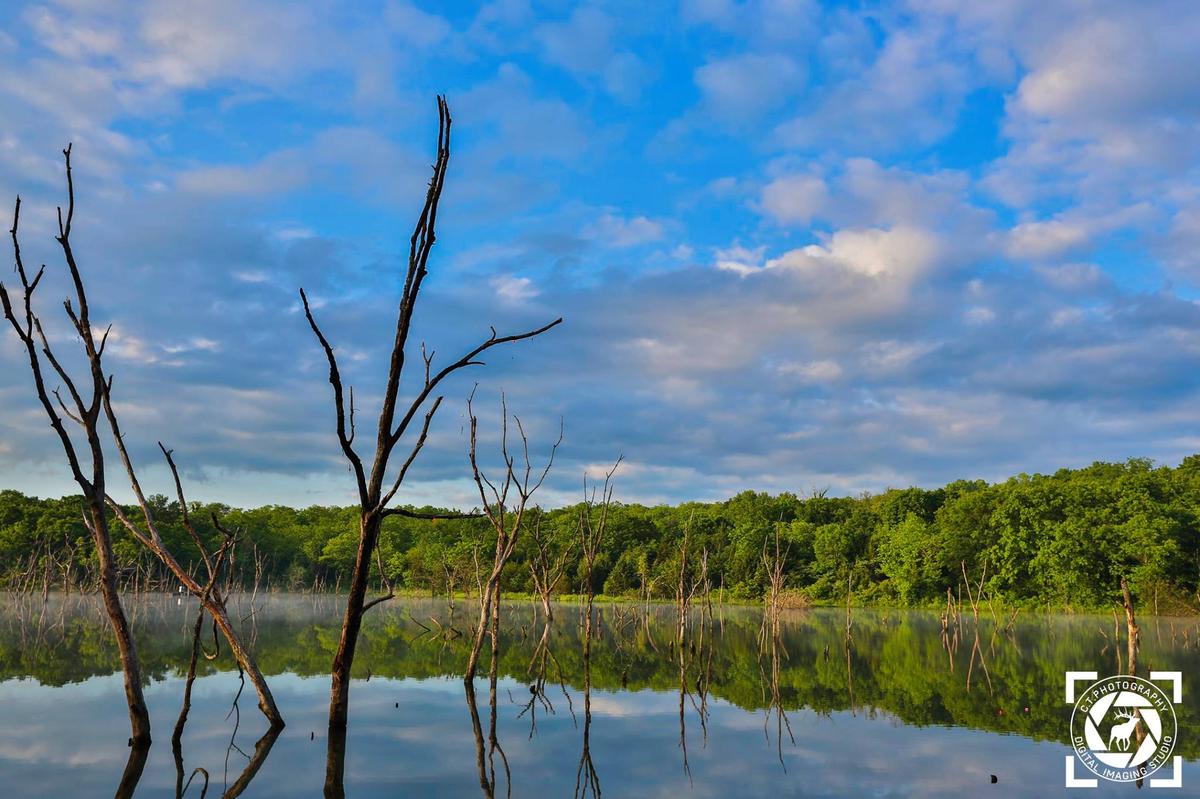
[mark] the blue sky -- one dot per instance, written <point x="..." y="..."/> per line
<point x="798" y="245"/>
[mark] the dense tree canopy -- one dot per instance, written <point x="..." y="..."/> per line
<point x="1059" y="540"/>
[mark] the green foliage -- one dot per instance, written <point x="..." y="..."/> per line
<point x="1059" y="540"/>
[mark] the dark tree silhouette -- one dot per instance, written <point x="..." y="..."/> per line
<point x="375" y="490"/>
<point x="87" y="415"/>
<point x="85" y="412"/>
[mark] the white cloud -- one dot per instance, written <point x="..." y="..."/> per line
<point x="739" y="259"/>
<point x="824" y="371"/>
<point x="1046" y="239"/>
<point x="512" y="288"/>
<point x="795" y="198"/>
<point x="739" y="89"/>
<point x="614" y="230"/>
<point x="909" y="93"/>
<point x="901" y="253"/>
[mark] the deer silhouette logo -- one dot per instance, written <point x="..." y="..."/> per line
<point x="1124" y="728"/>
<point x="1122" y="731"/>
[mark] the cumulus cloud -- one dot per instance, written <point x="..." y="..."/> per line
<point x="901" y="255"/>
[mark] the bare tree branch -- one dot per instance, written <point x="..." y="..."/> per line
<point x="346" y="439"/>
<point x="92" y="487"/>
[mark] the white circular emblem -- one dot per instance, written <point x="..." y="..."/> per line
<point x="1123" y="728"/>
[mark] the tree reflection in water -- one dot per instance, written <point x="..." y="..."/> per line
<point x="906" y="665"/>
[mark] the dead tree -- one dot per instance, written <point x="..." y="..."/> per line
<point x="775" y="565"/>
<point x="211" y="596"/>
<point x="506" y="518"/>
<point x="683" y="591"/>
<point x="546" y="565"/>
<point x="375" y="490"/>
<point x="177" y="735"/>
<point x="593" y="520"/>
<point x="86" y="414"/>
<point x="1133" y="633"/>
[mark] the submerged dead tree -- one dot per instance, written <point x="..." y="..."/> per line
<point x="211" y="596"/>
<point x="376" y="484"/>
<point x="775" y="566"/>
<point x="547" y="564"/>
<point x="86" y="415"/>
<point x="85" y="412"/>
<point x="506" y="517"/>
<point x="593" y="521"/>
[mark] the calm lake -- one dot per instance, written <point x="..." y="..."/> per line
<point x="900" y="711"/>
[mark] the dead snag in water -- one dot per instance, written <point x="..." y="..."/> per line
<point x="85" y="412"/>
<point x="177" y="735"/>
<point x="375" y="491"/>
<point x="593" y="520"/>
<point x="775" y="565"/>
<point x="1133" y="633"/>
<point x="685" y="590"/>
<point x="506" y="514"/>
<point x="975" y="597"/>
<point x="211" y="596"/>
<point x="546" y="566"/>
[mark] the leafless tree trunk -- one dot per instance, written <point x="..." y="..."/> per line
<point x="177" y="735"/>
<point x="87" y="415"/>
<point x="371" y="480"/>
<point x="211" y="596"/>
<point x="775" y="565"/>
<point x="506" y="521"/>
<point x="547" y="567"/>
<point x="683" y="591"/>
<point x="1133" y="634"/>
<point x="593" y="519"/>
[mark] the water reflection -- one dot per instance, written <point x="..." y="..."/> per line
<point x="906" y="704"/>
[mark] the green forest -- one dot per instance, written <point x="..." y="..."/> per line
<point x="1056" y="541"/>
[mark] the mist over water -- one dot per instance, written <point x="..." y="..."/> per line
<point x="898" y="710"/>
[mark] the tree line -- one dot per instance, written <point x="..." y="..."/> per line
<point x="1060" y="540"/>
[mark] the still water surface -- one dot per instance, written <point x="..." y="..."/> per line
<point x="900" y="711"/>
